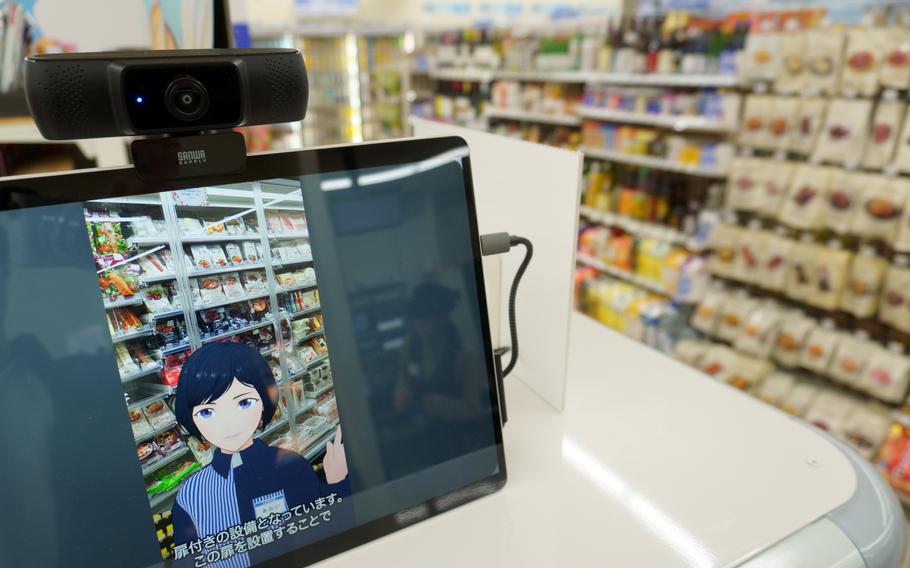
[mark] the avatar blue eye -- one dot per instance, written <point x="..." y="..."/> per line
<point x="205" y="413"/>
<point x="247" y="403"/>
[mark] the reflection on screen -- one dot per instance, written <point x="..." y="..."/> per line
<point x="221" y="375"/>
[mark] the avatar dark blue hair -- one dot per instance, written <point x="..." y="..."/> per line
<point x="209" y="372"/>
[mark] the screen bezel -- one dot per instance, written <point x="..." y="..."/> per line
<point x="86" y="185"/>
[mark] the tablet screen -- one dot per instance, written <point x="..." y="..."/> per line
<point x="242" y="374"/>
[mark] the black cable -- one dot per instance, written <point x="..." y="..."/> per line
<point x="513" y="293"/>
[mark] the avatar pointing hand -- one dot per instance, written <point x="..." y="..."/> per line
<point x="335" y="462"/>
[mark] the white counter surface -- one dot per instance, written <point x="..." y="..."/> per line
<point x="652" y="464"/>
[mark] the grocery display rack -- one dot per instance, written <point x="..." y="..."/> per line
<point x="255" y="203"/>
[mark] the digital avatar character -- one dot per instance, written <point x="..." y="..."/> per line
<point x="225" y="393"/>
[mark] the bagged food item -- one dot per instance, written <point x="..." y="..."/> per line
<point x="894" y="457"/>
<point x="156" y="298"/>
<point x="791" y="338"/>
<point x="219" y="259"/>
<point x="190" y="226"/>
<point x="761" y="61"/>
<point x="882" y="205"/>
<point x="804" y="206"/>
<point x="249" y="251"/>
<point x="810" y="116"/>
<point x="748" y="372"/>
<point x="230" y="284"/>
<point x="751" y="254"/>
<point x="743" y="190"/>
<point x="202" y="450"/>
<point x="864" y="281"/>
<point x="829" y="411"/>
<point x="902" y="152"/>
<point x="169" y="441"/>
<point x="800" y="397"/>
<point x="850" y="358"/>
<point x="158" y="414"/>
<point x="829" y="276"/>
<point x="234" y="254"/>
<point x="725" y="243"/>
<point x="734" y="313"/>
<point x="756" y="128"/>
<point x="792" y="77"/>
<point x="894" y="305"/>
<point x="690" y="351"/>
<point x="866" y="428"/>
<point x="774" y="389"/>
<point x="773" y="179"/>
<point x="253" y="281"/>
<point x="843" y="138"/>
<point x="285" y="279"/>
<point x="824" y="54"/>
<point x="820" y="347"/>
<point x="235" y="227"/>
<point x="800" y="281"/>
<point x="140" y="424"/>
<point x="842" y="200"/>
<point x="895" y="69"/>
<point x="863" y="60"/>
<point x="719" y="362"/>
<point x="782" y="122"/>
<point x="759" y="331"/>
<point x="778" y="251"/>
<point x="889" y="115"/>
<point x="887" y="374"/>
<point x="210" y="289"/>
<point x="202" y="258"/>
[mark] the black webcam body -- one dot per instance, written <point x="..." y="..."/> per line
<point x="93" y="95"/>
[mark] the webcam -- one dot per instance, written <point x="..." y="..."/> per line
<point x="187" y="100"/>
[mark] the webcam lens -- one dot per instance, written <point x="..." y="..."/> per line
<point x="186" y="98"/>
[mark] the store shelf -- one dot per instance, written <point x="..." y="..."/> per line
<point x="305" y="312"/>
<point x="141" y="374"/>
<point x="285" y="290"/>
<point x="303" y="260"/>
<point x="176" y="312"/>
<point x="152" y="433"/>
<point x="147" y="241"/>
<point x="321" y="391"/>
<point x="545" y="76"/>
<point x="318" y="446"/>
<point x="218" y="238"/>
<point x="149" y="279"/>
<point x="464" y="75"/>
<point x="175" y="349"/>
<point x="623" y="275"/>
<point x="226" y="269"/>
<point x="640" y="228"/>
<point x="308" y="405"/>
<point x="147" y="394"/>
<point x="235" y="300"/>
<point x="136" y="334"/>
<point x="134" y="301"/>
<point x="526" y="116"/>
<point x="159" y="499"/>
<point x="663" y="80"/>
<point x="316" y="333"/>
<point x="289" y="235"/>
<point x="166" y="461"/>
<point x="237" y="331"/>
<point x="272" y="428"/>
<point x="318" y="360"/>
<point x="677" y="123"/>
<point x="651" y="162"/>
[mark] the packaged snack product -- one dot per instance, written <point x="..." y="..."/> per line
<point x="139" y="423"/>
<point x="147" y="454"/>
<point x="234" y="254"/>
<point x="887" y="374"/>
<point x="734" y="313"/>
<point x="218" y="257"/>
<point x="810" y="115"/>
<point x="759" y="330"/>
<point x="725" y="242"/>
<point x="748" y="371"/>
<point x="804" y="206"/>
<point x="902" y="152"/>
<point x="824" y="55"/>
<point x="792" y="77"/>
<point x="156" y="298"/>
<point x="894" y="457"/>
<point x="168" y="441"/>
<point x="761" y="60"/>
<point x="829" y="276"/>
<point x="820" y="346"/>
<point x="842" y="200"/>
<point x="190" y="226"/>
<point x="894" y="306"/>
<point x="202" y="450"/>
<point x="782" y="122"/>
<point x="864" y="281"/>
<point x="800" y="281"/>
<point x="743" y="190"/>
<point x="882" y="206"/>
<point x="843" y="138"/>
<point x="235" y="227"/>
<point x="797" y="401"/>
<point x="756" y="128"/>
<point x="751" y="254"/>
<point x="231" y="285"/>
<point x="125" y="362"/>
<point x="791" y="338"/>
<point x="158" y="414"/>
<point x="895" y="69"/>
<point x="690" y="351"/>
<point x="889" y="115"/>
<point x="850" y="358"/>
<point x="778" y="252"/>
<point x="862" y="62"/>
<point x="210" y="289"/>
<point x="866" y="428"/>
<point x="775" y="388"/>
<point x="253" y="281"/>
<point x="201" y="257"/>
<point x="249" y="251"/>
<point x="829" y="411"/>
<point x="719" y="362"/>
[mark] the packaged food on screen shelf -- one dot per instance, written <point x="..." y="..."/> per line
<point x="774" y="389"/>
<point x="231" y="285"/>
<point x="824" y="56"/>
<point x="158" y="414"/>
<point x="761" y="61"/>
<point x="883" y="135"/>
<point x="285" y="279"/>
<point x="797" y="401"/>
<point x="829" y="411"/>
<point x="820" y="347"/>
<point x="760" y="329"/>
<point x="690" y="351"/>
<point x="214" y="227"/>
<point x="295" y="366"/>
<point x="866" y="427"/>
<point x="829" y="275"/>
<point x="210" y="289"/>
<point x="778" y="250"/>
<point x="143" y="226"/>
<point x="298" y="223"/>
<point x="782" y="122"/>
<point x="810" y="116"/>
<point x="843" y="139"/>
<point x="273" y="221"/>
<point x="219" y="259"/>
<point x="735" y="311"/>
<point x="773" y="178"/>
<point x="883" y="203"/>
<point x="804" y="205"/>
<point x="140" y="424"/>
<point x="791" y="338"/>
<point x="202" y="258"/>
<point x="235" y="227"/>
<point x="755" y="131"/>
<point x="864" y="282"/>
<point x="234" y="254"/>
<point x="141" y="357"/>
<point x="706" y="317"/>
<point x="309" y="274"/>
<point x="190" y="226"/>
<point x="169" y="441"/>
<point x="253" y="281"/>
<point x="719" y="362"/>
<point x="202" y="450"/>
<point x="894" y="72"/>
<point x="800" y="280"/>
<point x="887" y="374"/>
<point x="259" y="308"/>
<point x="249" y="251"/>
<point x="850" y="358"/>
<point x="842" y="200"/>
<point x="792" y="77"/>
<point x="156" y="298"/>
<point x="894" y="457"/>
<point x="151" y="265"/>
<point x="307" y="353"/>
<point x="894" y="305"/>
<point x="725" y="243"/>
<point x="124" y="362"/>
<point x="148" y="454"/>
<point x="862" y="61"/>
